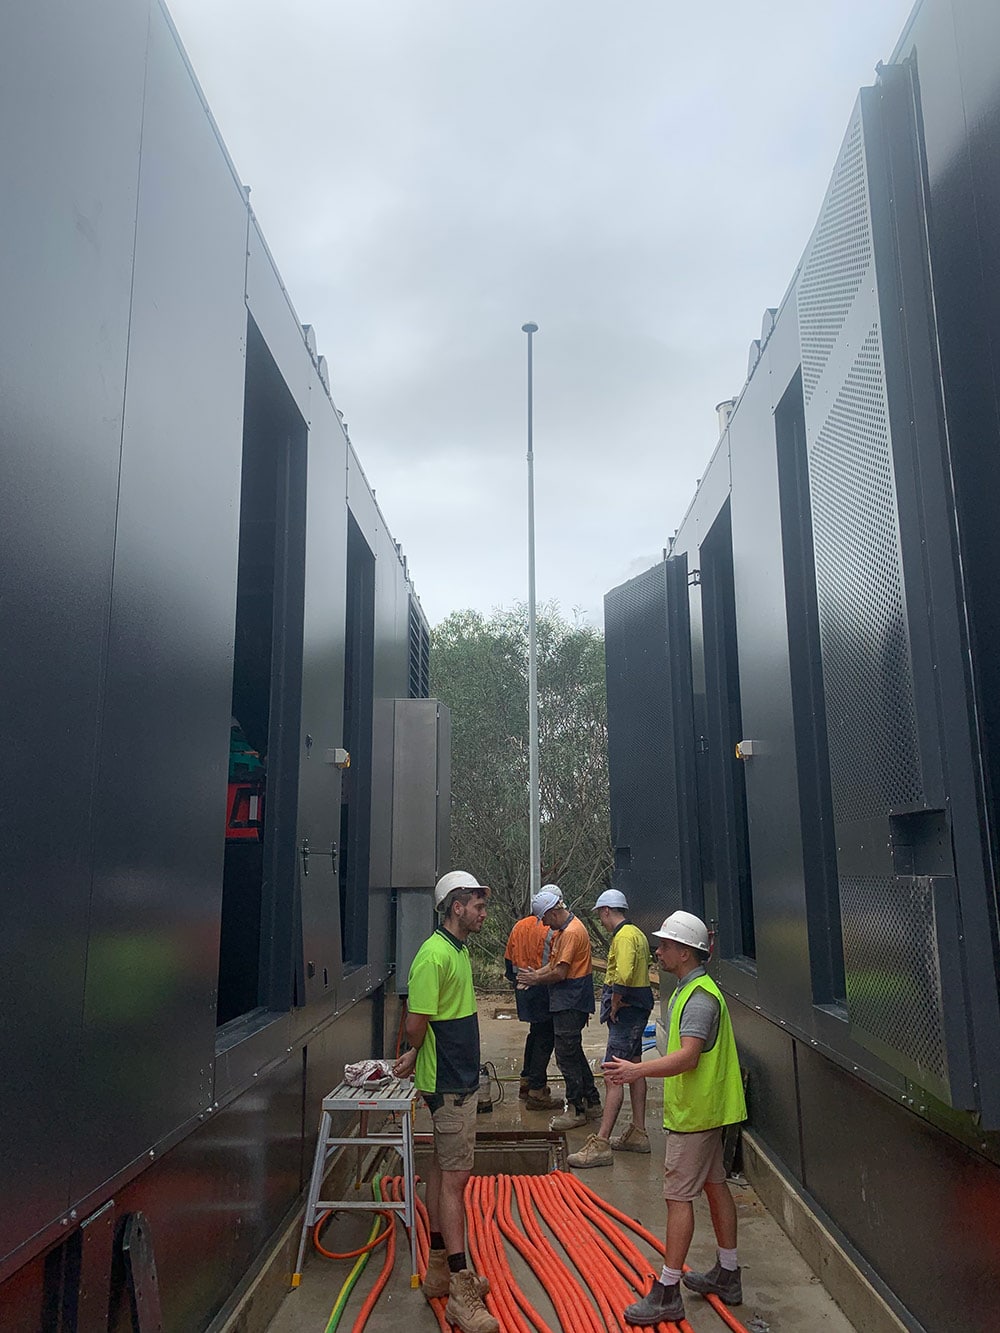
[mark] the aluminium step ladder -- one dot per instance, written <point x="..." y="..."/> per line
<point x="399" y="1095"/>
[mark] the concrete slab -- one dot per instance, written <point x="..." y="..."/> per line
<point x="782" y="1295"/>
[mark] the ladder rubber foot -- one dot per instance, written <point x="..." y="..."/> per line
<point x="414" y="1280"/>
<point x="296" y="1279"/>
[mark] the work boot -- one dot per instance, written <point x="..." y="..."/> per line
<point x="595" y="1152"/>
<point x="541" y="1099"/>
<point x="523" y="1090"/>
<point x="725" y="1283"/>
<point x="465" y="1304"/>
<point x="633" y="1140"/>
<point x="659" y="1304"/>
<point x="594" y="1111"/>
<point x="437" y="1279"/>
<point x="571" y="1118"/>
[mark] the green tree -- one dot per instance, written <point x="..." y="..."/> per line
<point x="479" y="669"/>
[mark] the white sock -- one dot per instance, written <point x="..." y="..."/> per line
<point x="670" y="1276"/>
<point x="727" y="1260"/>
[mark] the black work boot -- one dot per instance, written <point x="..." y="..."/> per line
<point x="718" y="1281"/>
<point x="659" y="1304"/>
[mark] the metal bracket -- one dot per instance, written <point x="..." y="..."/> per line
<point x="305" y="851"/>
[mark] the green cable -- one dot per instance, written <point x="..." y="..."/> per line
<point x="359" y="1265"/>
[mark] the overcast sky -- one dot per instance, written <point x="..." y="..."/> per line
<point x="638" y="177"/>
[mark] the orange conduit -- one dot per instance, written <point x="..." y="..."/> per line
<point x="487" y="1255"/>
<point x="351" y="1254"/>
<point x="630" y="1263"/>
<point x="423" y="1250"/>
<point x="549" y="1266"/>
<point x="618" y="1281"/>
<point x="383" y="1277"/>
<point x="579" y="1245"/>
<point x="611" y="1267"/>
<point x="720" y="1308"/>
<point x="505" y="1222"/>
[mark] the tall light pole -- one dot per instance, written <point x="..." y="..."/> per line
<point x="534" y="840"/>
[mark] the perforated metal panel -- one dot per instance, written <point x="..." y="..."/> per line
<point x="867" y="672"/>
<point x="894" y="933"/>
<point x="894" y="983"/>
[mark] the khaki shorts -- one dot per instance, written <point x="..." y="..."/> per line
<point x="455" y="1130"/>
<point x="692" y="1161"/>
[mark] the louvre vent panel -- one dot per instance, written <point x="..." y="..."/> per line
<point x="867" y="673"/>
<point x="840" y="258"/>
<point x="419" y="654"/>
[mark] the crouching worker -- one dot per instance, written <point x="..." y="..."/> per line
<point x="702" y="1093"/>
<point x="442" y="1027"/>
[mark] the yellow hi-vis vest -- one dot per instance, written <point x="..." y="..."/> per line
<point x="711" y="1094"/>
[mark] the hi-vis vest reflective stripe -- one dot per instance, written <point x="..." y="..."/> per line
<point x="711" y="1094"/>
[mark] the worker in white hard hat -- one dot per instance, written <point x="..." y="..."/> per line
<point x="626" y="1002"/>
<point x="529" y="946"/>
<point x="442" y="1027"/>
<point x="702" y="1093"/>
<point x="569" y="977"/>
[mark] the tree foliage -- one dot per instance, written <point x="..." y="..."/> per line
<point x="479" y="668"/>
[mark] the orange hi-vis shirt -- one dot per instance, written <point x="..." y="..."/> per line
<point x="572" y="946"/>
<point x="526" y="945"/>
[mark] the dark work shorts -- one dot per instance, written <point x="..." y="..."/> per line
<point x="625" y="1035"/>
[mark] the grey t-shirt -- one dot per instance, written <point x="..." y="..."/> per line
<point x="701" y="1011"/>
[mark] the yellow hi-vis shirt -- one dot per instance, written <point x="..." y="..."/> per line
<point x="711" y="1094"/>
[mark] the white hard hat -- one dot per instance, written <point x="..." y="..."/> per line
<point x="685" y="928"/>
<point x="612" y="898"/>
<point x="455" y="879"/>
<point x="547" y="897"/>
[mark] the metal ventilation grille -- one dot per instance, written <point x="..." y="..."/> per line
<point x="419" y="655"/>
<point x="874" y="756"/>
<point x="894" y="985"/>
<point x="840" y="256"/>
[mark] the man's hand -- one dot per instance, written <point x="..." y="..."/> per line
<point x="526" y="976"/>
<point x="404" y="1066"/>
<point x="616" y="1004"/>
<point x="622" y="1071"/>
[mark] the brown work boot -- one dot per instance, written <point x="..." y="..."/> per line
<point x="465" y="1304"/>
<point x="595" y="1152"/>
<point x="523" y="1090"/>
<point x="595" y="1111"/>
<point x="633" y="1140"/>
<point x="437" y="1279"/>
<point x="541" y="1099"/>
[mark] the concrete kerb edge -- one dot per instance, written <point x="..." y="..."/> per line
<point x="864" y="1299"/>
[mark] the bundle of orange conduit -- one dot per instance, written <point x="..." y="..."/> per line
<point x="610" y="1270"/>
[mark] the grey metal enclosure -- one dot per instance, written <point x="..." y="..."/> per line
<point x="803" y="695"/>
<point x="202" y="615"/>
